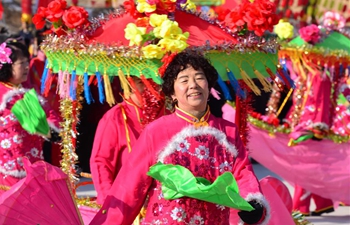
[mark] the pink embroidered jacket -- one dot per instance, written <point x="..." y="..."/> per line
<point x="15" y="142"/>
<point x="207" y="148"/>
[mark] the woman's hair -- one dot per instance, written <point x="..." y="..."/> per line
<point x="182" y="61"/>
<point x="18" y="50"/>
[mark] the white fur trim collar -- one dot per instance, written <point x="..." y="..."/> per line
<point x="191" y="131"/>
<point x="6" y="97"/>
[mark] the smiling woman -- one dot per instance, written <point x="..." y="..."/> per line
<point x="208" y="148"/>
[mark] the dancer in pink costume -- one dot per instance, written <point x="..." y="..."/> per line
<point x="190" y="137"/>
<point x="15" y="142"/>
<point x="117" y="132"/>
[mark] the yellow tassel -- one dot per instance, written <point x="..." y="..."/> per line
<point x="309" y="68"/>
<point x="284" y="102"/>
<point x="124" y="84"/>
<point x="267" y="85"/>
<point x="250" y="83"/>
<point x="108" y="91"/>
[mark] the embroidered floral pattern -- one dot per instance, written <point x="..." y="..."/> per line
<point x="224" y="167"/>
<point x="5" y="144"/>
<point x="196" y="220"/>
<point x="205" y="157"/>
<point x="34" y="152"/>
<point x="221" y="207"/>
<point x="15" y="143"/>
<point x="202" y="152"/>
<point x="183" y="146"/>
<point x="17" y="139"/>
<point x="178" y="214"/>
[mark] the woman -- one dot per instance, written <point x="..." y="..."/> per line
<point x="116" y="133"/>
<point x="16" y="142"/>
<point x="190" y="137"/>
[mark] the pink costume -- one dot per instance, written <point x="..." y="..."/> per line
<point x="200" y="146"/>
<point x="15" y="142"/>
<point x="110" y="149"/>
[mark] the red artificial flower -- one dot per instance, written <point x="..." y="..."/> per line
<point x="55" y="10"/>
<point x="165" y="6"/>
<point x="142" y="22"/>
<point x="234" y="19"/>
<point x="261" y="17"/>
<point x="310" y="34"/>
<point x="58" y="31"/>
<point x="39" y="18"/>
<point x="75" y="16"/>
<point x="221" y="13"/>
<point x="130" y="7"/>
<point x="166" y="60"/>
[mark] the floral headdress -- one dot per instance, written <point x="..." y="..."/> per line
<point x="63" y="18"/>
<point x="5" y="53"/>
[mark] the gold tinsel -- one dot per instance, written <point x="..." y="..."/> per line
<point x="70" y="111"/>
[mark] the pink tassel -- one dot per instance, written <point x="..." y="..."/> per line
<point x="60" y="82"/>
<point x="67" y="85"/>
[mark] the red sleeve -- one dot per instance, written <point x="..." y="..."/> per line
<point x="130" y="188"/>
<point x="249" y="187"/>
<point x="104" y="155"/>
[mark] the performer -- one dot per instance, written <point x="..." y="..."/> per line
<point x="15" y="142"/>
<point x="117" y="131"/>
<point x="191" y="137"/>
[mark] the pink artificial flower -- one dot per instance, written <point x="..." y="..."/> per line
<point x="5" y="53"/>
<point x="310" y="34"/>
<point x="333" y="20"/>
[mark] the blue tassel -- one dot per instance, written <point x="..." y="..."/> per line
<point x="87" y="92"/>
<point x="280" y="78"/>
<point x="72" y="89"/>
<point x="285" y="72"/>
<point x="341" y="69"/>
<point x="44" y="78"/>
<point x="234" y="83"/>
<point x="100" y="87"/>
<point x="224" y="89"/>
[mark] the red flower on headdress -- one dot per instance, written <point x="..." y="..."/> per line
<point x="39" y="18"/>
<point x="234" y="19"/>
<point x="166" y="60"/>
<point x="310" y="34"/>
<point x="258" y="16"/>
<point x="261" y="17"/>
<point x="55" y="10"/>
<point x="130" y="7"/>
<point x="75" y="16"/>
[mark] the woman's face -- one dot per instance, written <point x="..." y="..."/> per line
<point x="191" y="90"/>
<point x="20" y="70"/>
<point x="140" y="86"/>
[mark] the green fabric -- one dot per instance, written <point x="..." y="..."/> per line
<point x="234" y="61"/>
<point x="177" y="182"/>
<point x="303" y="138"/>
<point x="342" y="100"/>
<point x="30" y="114"/>
<point x="334" y="42"/>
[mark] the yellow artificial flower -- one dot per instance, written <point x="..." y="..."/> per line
<point x="284" y="30"/>
<point x="156" y="20"/>
<point x="171" y="45"/>
<point x="134" y="34"/>
<point x="143" y="6"/>
<point x="182" y="37"/>
<point x="168" y="29"/>
<point x="189" y="5"/>
<point x="153" y="51"/>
